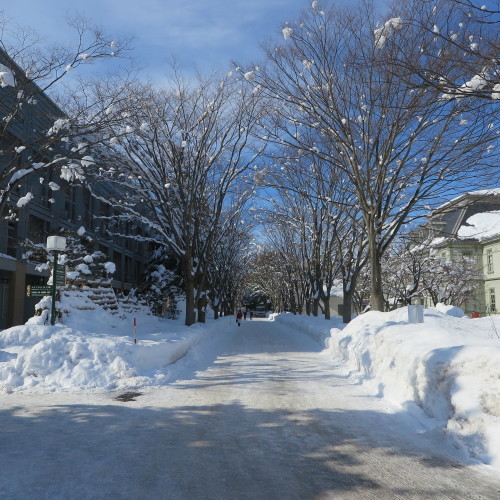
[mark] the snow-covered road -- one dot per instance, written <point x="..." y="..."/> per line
<point x="257" y="413"/>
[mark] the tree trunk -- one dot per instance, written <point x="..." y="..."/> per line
<point x="315" y="308"/>
<point x="326" y="305"/>
<point x="376" y="290"/>
<point x="298" y="303"/>
<point x="201" y="314"/>
<point x="190" y="309"/>
<point x="347" y="305"/>
<point x="202" y="308"/>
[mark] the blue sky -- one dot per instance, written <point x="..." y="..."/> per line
<point x="206" y="34"/>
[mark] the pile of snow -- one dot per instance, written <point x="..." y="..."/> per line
<point x="287" y="32"/>
<point x="7" y="78"/>
<point x="24" y="200"/>
<point x="455" y="311"/>
<point x="446" y="369"/>
<point x="486" y="192"/>
<point x="95" y="351"/>
<point x="316" y="328"/>
<point x="448" y="366"/>
<point x="382" y="34"/>
<point x="481" y="226"/>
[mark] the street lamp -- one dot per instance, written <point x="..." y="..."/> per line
<point x="55" y="244"/>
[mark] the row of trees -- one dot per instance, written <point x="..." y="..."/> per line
<point x="371" y="125"/>
<point x="178" y="171"/>
<point x="171" y="160"/>
<point x="410" y="271"/>
<point x="361" y="126"/>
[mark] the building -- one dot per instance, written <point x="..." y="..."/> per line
<point x="56" y="205"/>
<point x="469" y="226"/>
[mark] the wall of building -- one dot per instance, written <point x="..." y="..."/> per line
<point x="69" y="212"/>
<point x="491" y="266"/>
<point x="50" y="211"/>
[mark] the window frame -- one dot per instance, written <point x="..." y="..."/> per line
<point x="489" y="261"/>
<point x="493" y="301"/>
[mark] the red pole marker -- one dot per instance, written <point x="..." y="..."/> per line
<point x="135" y="331"/>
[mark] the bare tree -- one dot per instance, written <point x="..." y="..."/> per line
<point x="316" y="202"/>
<point x="458" y="49"/>
<point x="35" y="135"/>
<point x="403" y="266"/>
<point x="178" y="169"/>
<point x="228" y="266"/>
<point x="267" y="276"/>
<point x="401" y="146"/>
<point x="451" y="281"/>
<point x="305" y="204"/>
<point x="287" y="230"/>
<point x="284" y="237"/>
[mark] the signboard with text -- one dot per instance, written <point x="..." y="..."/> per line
<point x="38" y="290"/>
<point x="61" y="276"/>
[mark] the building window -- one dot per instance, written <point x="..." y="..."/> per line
<point x="12" y="244"/>
<point x="117" y="259"/>
<point x="128" y="269"/>
<point x="38" y="229"/>
<point x="137" y="274"/>
<point x="46" y="194"/>
<point x="87" y="206"/>
<point x="493" y="303"/>
<point x="104" y="250"/>
<point x="489" y="260"/>
<point x="69" y="201"/>
<point x="106" y="221"/>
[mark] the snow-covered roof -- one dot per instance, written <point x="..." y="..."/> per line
<point x="437" y="241"/>
<point x="471" y="194"/>
<point x="481" y="226"/>
<point x="452" y="216"/>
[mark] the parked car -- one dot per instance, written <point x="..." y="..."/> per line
<point x="260" y="312"/>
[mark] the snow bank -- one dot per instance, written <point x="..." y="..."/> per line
<point x="95" y="351"/>
<point x="455" y="311"/>
<point x="316" y="328"/>
<point x="447" y="366"/>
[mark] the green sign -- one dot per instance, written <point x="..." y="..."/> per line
<point x="38" y="290"/>
<point x="61" y="276"/>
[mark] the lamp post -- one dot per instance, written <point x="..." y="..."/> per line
<point x="55" y="244"/>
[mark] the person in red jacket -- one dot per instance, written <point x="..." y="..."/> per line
<point x="239" y="315"/>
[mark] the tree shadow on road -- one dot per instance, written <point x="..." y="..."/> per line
<point x="220" y="451"/>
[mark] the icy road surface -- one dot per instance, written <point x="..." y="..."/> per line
<point x="259" y="413"/>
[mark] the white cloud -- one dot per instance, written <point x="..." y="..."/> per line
<point x="196" y="33"/>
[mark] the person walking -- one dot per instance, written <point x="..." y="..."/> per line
<point x="239" y="315"/>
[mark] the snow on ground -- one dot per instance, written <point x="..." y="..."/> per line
<point x="444" y="371"/>
<point x="447" y="367"/>
<point x="94" y="350"/>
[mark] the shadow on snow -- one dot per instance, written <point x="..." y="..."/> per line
<point x="220" y="451"/>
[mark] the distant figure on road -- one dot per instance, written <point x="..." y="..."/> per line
<point x="245" y="314"/>
<point x="239" y="315"/>
<point x="251" y="314"/>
